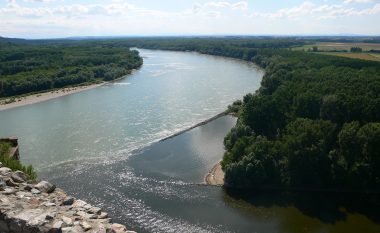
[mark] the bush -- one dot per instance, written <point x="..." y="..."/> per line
<point x="13" y="164"/>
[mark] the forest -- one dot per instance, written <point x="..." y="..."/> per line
<point x="313" y="125"/>
<point x="27" y="67"/>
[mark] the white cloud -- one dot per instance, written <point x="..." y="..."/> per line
<point x="44" y="1"/>
<point x="312" y="10"/>
<point x="357" y="1"/>
<point x="120" y="17"/>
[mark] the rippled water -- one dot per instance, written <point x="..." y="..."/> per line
<point x="101" y="145"/>
<point x="171" y="92"/>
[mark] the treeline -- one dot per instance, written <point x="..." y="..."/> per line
<point x="26" y="67"/>
<point x="313" y="124"/>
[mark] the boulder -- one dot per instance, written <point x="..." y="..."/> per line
<point x="103" y="215"/>
<point x="35" y="191"/>
<point x="45" y="186"/>
<point x="5" y="171"/>
<point x="11" y="183"/>
<point x="9" y="191"/>
<point x="19" y="176"/>
<point x="68" y="221"/>
<point x="57" y="225"/>
<point x="28" y="187"/>
<point x="118" y="228"/>
<point x="86" y="226"/>
<point x="94" y="210"/>
<point x="2" y="184"/>
<point x="68" y="201"/>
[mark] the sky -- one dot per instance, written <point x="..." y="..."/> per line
<point x="68" y="18"/>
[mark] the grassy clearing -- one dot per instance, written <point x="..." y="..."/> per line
<point x="364" y="56"/>
<point x="14" y="164"/>
<point x="329" y="46"/>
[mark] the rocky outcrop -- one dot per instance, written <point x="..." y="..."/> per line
<point x="34" y="207"/>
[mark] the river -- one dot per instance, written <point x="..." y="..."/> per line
<point x="102" y="145"/>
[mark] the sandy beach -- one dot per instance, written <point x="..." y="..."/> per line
<point x="44" y="96"/>
<point x="215" y="176"/>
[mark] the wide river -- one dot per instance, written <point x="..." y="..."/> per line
<point x="102" y="146"/>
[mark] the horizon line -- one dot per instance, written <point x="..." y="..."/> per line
<point x="190" y="35"/>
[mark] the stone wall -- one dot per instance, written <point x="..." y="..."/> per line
<point x="33" y="207"/>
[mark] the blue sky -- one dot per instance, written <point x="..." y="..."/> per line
<point x="63" y="18"/>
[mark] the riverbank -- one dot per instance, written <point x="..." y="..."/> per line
<point x="28" y="206"/>
<point x="215" y="176"/>
<point x="44" y="96"/>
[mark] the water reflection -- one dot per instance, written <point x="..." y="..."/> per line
<point x="297" y="212"/>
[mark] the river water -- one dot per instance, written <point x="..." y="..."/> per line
<point x="102" y="146"/>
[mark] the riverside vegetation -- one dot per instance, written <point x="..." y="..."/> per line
<point x="313" y="125"/>
<point x="13" y="164"/>
<point x="27" y="66"/>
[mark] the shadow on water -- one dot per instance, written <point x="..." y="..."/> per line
<point x="328" y="209"/>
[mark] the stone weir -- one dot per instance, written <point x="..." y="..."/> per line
<point x="32" y="207"/>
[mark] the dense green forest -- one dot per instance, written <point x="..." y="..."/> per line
<point x="32" y="67"/>
<point x="314" y="123"/>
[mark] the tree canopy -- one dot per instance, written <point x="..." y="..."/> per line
<point x="33" y="67"/>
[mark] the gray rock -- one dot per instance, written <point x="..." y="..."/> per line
<point x="5" y="171"/>
<point x="79" y="203"/>
<point x="35" y="191"/>
<point x="19" y="176"/>
<point x="11" y="183"/>
<point x="4" y="200"/>
<point x="103" y="215"/>
<point x="31" y="214"/>
<point x="68" y="221"/>
<point x="48" y="204"/>
<point x="42" y="208"/>
<point x="28" y="187"/>
<point x="87" y="206"/>
<point x="2" y="184"/>
<point x="86" y="226"/>
<point x="94" y="210"/>
<point x="9" y="191"/>
<point x="85" y="215"/>
<point x="50" y="216"/>
<point x="68" y="201"/>
<point x="57" y="225"/>
<point x="118" y="228"/>
<point x="75" y="229"/>
<point x="66" y="229"/>
<point x="1" y="164"/>
<point x="23" y="194"/>
<point x="45" y="186"/>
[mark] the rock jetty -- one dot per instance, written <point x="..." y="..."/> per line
<point x="33" y="207"/>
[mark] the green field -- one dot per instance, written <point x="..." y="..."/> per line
<point x="329" y="46"/>
<point x="364" y="56"/>
<point x="337" y="49"/>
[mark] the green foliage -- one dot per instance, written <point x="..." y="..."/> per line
<point x="26" y="67"/>
<point x="313" y="124"/>
<point x="14" y="164"/>
<point x="356" y="50"/>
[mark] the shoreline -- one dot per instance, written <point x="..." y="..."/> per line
<point x="52" y="94"/>
<point x="45" y="96"/>
<point x="215" y="176"/>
